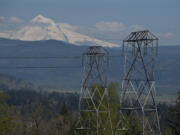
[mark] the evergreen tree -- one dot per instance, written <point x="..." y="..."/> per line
<point x="114" y="104"/>
<point x="177" y="117"/>
<point x="174" y="120"/>
<point x="7" y="124"/>
<point x="64" y="110"/>
<point x="168" y="131"/>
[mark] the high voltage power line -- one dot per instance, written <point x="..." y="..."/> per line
<point x="53" y="57"/>
<point x="43" y="67"/>
<point x="33" y="67"/>
<point x="45" y="57"/>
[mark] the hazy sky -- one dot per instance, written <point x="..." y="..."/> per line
<point x="160" y="16"/>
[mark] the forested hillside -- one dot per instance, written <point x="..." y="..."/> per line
<point x="54" y="113"/>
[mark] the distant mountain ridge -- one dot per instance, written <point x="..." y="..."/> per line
<point x="42" y="28"/>
<point x="68" y="75"/>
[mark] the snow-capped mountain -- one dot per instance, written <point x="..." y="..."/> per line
<point x="42" y="28"/>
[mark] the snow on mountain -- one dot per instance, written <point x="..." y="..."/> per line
<point x="41" y="19"/>
<point x="39" y="28"/>
<point x="76" y="38"/>
<point x="42" y="28"/>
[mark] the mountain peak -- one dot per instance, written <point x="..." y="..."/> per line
<point x="41" y="19"/>
<point x="39" y="16"/>
<point x="44" y="28"/>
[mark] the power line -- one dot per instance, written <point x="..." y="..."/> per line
<point x="44" y="67"/>
<point x="33" y="67"/>
<point x="53" y="57"/>
<point x="44" y="57"/>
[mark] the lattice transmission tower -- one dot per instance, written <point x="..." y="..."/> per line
<point x="94" y="112"/>
<point x="137" y="96"/>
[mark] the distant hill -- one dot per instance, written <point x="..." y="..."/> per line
<point x="68" y="73"/>
<point x="8" y="82"/>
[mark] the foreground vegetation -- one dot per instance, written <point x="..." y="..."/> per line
<point x="28" y="112"/>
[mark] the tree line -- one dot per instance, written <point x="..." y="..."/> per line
<point x="29" y="112"/>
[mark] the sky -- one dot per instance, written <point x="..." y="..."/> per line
<point x="162" y="17"/>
